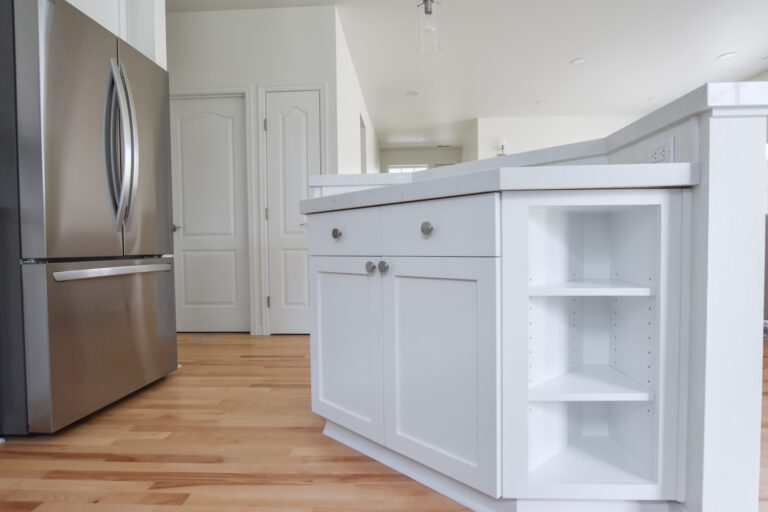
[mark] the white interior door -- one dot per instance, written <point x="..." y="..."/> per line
<point x="292" y="154"/>
<point x="209" y="209"/>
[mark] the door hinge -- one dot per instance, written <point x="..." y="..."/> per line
<point x="266" y="213"/>
<point x="265" y="124"/>
<point x="268" y="301"/>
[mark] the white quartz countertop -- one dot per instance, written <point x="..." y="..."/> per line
<point x="560" y="177"/>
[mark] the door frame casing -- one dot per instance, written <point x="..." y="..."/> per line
<point x="257" y="308"/>
<point x="262" y="165"/>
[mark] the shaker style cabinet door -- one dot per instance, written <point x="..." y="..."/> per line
<point x="346" y="343"/>
<point x="441" y="340"/>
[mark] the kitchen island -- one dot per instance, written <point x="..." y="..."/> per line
<point x="516" y="333"/>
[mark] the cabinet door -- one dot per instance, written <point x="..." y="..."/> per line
<point x="441" y="377"/>
<point x="346" y="343"/>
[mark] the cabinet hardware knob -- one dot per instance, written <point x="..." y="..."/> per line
<point x="383" y="266"/>
<point x="370" y="267"/>
<point x="426" y="228"/>
<point x="175" y="227"/>
<point x="336" y="233"/>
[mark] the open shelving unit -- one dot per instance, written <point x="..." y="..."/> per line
<point x="594" y="335"/>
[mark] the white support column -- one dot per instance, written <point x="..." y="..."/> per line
<point x="725" y="383"/>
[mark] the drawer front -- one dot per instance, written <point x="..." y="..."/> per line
<point x="345" y="233"/>
<point x="456" y="226"/>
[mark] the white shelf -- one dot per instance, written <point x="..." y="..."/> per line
<point x="591" y="384"/>
<point x="590" y="460"/>
<point x="591" y="288"/>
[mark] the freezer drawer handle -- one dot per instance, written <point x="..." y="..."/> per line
<point x="91" y="273"/>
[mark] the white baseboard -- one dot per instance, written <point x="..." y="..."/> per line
<point x="474" y="499"/>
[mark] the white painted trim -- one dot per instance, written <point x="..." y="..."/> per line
<point x="474" y="499"/>
<point x="261" y="92"/>
<point x="252" y="196"/>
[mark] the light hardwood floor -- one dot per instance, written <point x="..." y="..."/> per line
<point x="231" y="431"/>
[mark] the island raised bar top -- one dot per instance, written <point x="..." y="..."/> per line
<point x="553" y="330"/>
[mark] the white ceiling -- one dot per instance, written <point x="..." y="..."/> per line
<point x="501" y="57"/>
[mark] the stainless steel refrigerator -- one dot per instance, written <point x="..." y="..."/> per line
<point x="86" y="272"/>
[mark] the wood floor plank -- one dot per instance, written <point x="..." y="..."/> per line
<point x="231" y="431"/>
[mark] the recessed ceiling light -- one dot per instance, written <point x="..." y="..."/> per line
<point x="579" y="61"/>
<point x="726" y="56"/>
<point x="411" y="92"/>
<point x="421" y="139"/>
<point x="544" y="102"/>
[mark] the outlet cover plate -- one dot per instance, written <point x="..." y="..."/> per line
<point x="662" y="152"/>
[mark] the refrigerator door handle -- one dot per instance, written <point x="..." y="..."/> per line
<point x="110" y="132"/>
<point x="127" y="142"/>
<point x="134" y="144"/>
<point x="91" y="273"/>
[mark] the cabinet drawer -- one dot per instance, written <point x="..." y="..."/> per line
<point x="460" y="226"/>
<point x="358" y="232"/>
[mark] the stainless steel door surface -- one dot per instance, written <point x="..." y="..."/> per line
<point x="74" y="67"/>
<point x="148" y="223"/>
<point x="95" y="332"/>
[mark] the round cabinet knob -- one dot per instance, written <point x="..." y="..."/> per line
<point x="370" y="267"/>
<point x="383" y="266"/>
<point x="175" y="227"/>
<point x="426" y="228"/>
<point x="336" y="233"/>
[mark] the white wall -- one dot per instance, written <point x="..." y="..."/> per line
<point x="536" y="132"/>
<point x="425" y="156"/>
<point x="760" y="77"/>
<point x="350" y="108"/>
<point x="257" y="47"/>
<point x="469" y="141"/>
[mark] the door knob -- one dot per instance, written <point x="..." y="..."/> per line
<point x="175" y="227"/>
<point x="426" y="228"/>
<point x="370" y="267"/>
<point x="336" y="233"/>
<point x="383" y="266"/>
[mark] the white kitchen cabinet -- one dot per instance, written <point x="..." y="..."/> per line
<point x="141" y="23"/>
<point x="346" y="352"/>
<point x="412" y="341"/>
<point x="441" y="381"/>
<point x="548" y="356"/>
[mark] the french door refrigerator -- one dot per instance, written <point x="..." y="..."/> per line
<point x="86" y="298"/>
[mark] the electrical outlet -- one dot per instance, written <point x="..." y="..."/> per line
<point x="662" y="153"/>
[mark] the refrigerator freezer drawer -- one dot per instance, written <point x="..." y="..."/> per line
<point x="95" y="332"/>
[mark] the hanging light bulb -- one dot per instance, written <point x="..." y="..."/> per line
<point x="428" y="25"/>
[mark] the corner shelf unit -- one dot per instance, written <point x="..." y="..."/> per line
<point x="595" y="295"/>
